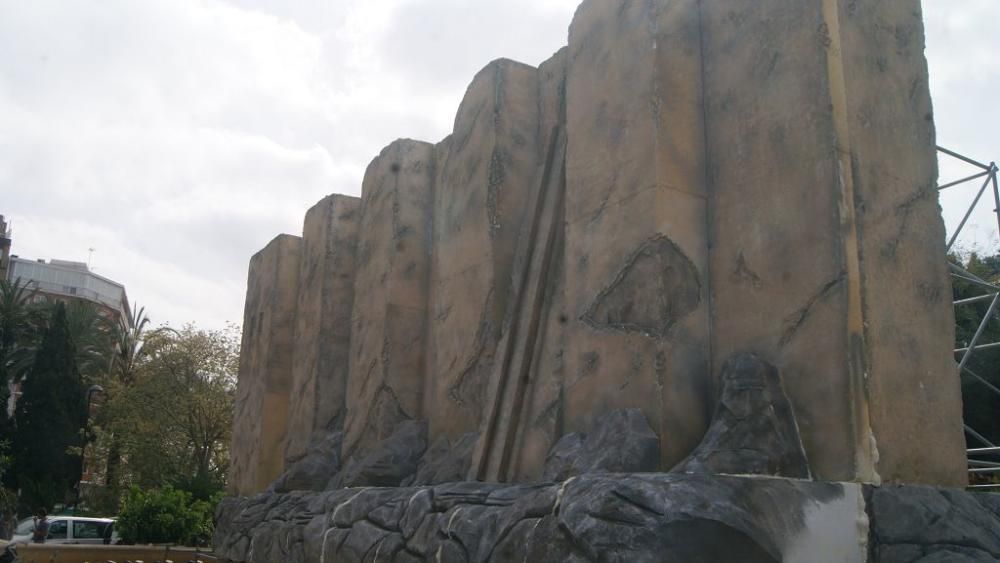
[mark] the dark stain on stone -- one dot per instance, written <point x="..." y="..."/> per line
<point x="497" y="174"/>
<point x="395" y="168"/>
<point x="744" y="274"/>
<point x="591" y="361"/>
<point x="657" y="286"/>
<point x="930" y="293"/>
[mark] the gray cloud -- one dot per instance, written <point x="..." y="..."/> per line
<point x="177" y="136"/>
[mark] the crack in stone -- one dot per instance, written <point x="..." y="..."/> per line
<point x="795" y="321"/>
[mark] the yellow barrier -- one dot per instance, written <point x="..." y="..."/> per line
<point x="55" y="553"/>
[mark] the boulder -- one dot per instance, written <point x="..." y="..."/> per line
<point x="620" y="441"/>
<point x="312" y="472"/>
<point x="753" y="431"/>
<point x="389" y="462"/>
<point x="445" y="461"/>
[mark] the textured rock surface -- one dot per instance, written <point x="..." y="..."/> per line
<point x="265" y="372"/>
<point x="927" y="524"/>
<point x="387" y="463"/>
<point x="312" y="471"/>
<point x="754" y="429"/>
<point x="620" y="442"/>
<point x="821" y="174"/>
<point x="635" y="518"/>
<point x="445" y="461"/>
<point x="685" y="180"/>
<point x="321" y="354"/>
<point x="487" y="172"/>
<point x="636" y="235"/>
<point x="386" y="381"/>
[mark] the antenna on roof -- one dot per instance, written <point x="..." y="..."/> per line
<point x="90" y="256"/>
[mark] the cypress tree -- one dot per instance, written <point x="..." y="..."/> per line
<point x="50" y="417"/>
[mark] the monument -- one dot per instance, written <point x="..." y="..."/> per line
<point x="678" y="292"/>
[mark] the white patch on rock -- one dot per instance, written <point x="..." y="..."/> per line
<point x="834" y="531"/>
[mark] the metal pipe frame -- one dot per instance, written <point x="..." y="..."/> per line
<point x="988" y="172"/>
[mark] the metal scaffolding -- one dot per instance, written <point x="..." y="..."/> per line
<point x="982" y="460"/>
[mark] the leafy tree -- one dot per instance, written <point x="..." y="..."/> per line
<point x="128" y="341"/>
<point x="173" y="421"/>
<point x="50" y="418"/>
<point x="980" y="403"/>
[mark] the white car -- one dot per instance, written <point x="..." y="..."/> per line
<point x="70" y="530"/>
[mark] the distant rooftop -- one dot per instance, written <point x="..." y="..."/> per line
<point x="71" y="279"/>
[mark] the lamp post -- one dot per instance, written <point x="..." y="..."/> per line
<point x="91" y="391"/>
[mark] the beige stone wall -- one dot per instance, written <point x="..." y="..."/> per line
<point x="321" y="355"/>
<point x="686" y="180"/>
<point x="486" y="174"/>
<point x="821" y="159"/>
<point x="265" y="372"/>
<point x="636" y="259"/>
<point x="524" y="397"/>
<point x="914" y="387"/>
<point x="386" y="379"/>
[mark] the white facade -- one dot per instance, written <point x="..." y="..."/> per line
<point x="71" y="280"/>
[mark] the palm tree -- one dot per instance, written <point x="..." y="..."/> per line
<point x="129" y="351"/>
<point x="18" y="324"/>
<point x="94" y="338"/>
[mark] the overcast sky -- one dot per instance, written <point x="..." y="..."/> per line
<point x="177" y="137"/>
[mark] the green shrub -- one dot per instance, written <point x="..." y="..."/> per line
<point x="165" y="515"/>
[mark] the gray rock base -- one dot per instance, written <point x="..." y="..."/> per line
<point x="614" y="517"/>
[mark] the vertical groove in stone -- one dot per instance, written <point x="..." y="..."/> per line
<point x="865" y="453"/>
<point x="481" y="194"/>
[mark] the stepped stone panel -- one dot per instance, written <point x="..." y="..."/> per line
<point x="385" y="385"/>
<point x="636" y="248"/>
<point x="265" y="371"/>
<point x="685" y="182"/>
<point x="321" y="356"/>
<point x="806" y="203"/>
<point x="487" y="171"/>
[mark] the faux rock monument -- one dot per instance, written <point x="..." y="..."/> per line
<point x="677" y="294"/>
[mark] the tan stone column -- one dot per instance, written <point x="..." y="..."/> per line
<point x="386" y="380"/>
<point x="636" y="252"/>
<point x="322" y="354"/>
<point x="265" y="372"/>
<point x="487" y="175"/>
<point x="827" y="242"/>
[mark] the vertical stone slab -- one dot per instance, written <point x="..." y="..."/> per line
<point x="385" y="385"/>
<point x="914" y="389"/>
<point x="799" y="98"/>
<point x="541" y="423"/>
<point x="322" y="341"/>
<point x="487" y="174"/>
<point x="636" y="254"/>
<point x="265" y="371"/>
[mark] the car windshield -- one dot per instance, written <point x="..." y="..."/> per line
<point x="25" y="527"/>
